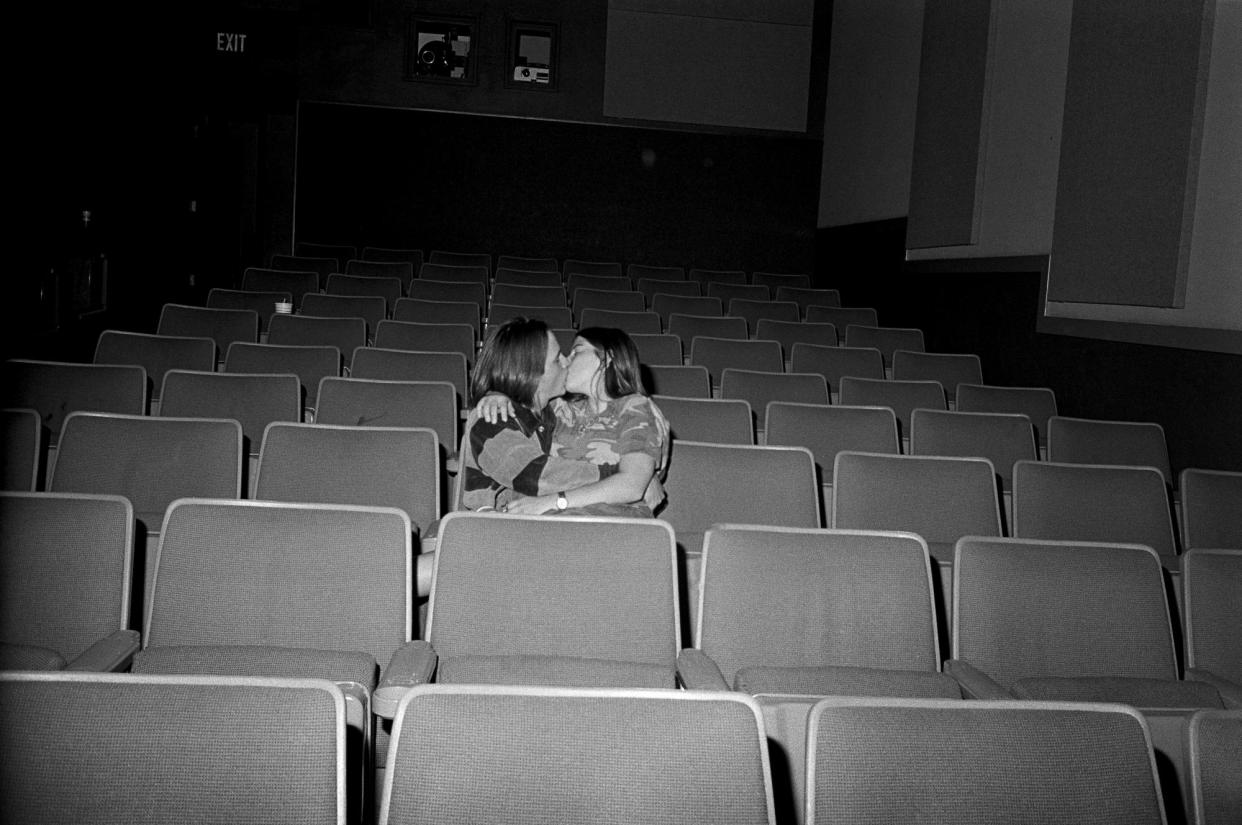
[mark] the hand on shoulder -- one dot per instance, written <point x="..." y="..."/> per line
<point x="494" y="407"/>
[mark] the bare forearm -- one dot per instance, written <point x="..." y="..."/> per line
<point x="622" y="488"/>
<point x="563" y="474"/>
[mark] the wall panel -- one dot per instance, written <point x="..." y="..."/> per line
<point x="873" y="88"/>
<point x="712" y="63"/>
<point x="1130" y="143"/>
<point x="947" y="133"/>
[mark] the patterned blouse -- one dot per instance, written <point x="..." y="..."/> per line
<point x="630" y="424"/>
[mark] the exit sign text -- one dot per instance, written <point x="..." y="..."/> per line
<point x="230" y="42"/>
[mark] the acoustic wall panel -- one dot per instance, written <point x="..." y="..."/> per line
<point x="1130" y="143"/>
<point x="1021" y="132"/>
<point x="948" y="122"/>
<point x="873" y="89"/>
<point x="711" y="62"/>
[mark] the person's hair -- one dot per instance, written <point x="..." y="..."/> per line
<point x="511" y="361"/>
<point x="619" y="357"/>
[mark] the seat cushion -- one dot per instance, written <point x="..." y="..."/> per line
<point x="847" y="681"/>
<point x="561" y="671"/>
<point x="30" y="657"/>
<point x="1143" y="693"/>
<point x="255" y="660"/>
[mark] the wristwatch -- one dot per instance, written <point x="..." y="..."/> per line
<point x="562" y="503"/>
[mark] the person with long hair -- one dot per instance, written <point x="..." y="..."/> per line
<point x="503" y="458"/>
<point x="599" y="450"/>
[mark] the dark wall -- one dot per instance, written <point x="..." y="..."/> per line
<point x="390" y="177"/>
<point x="100" y="125"/>
<point x="484" y="165"/>
<point x="367" y="63"/>
<point x="1195" y="395"/>
<point x="185" y="151"/>
<point x="361" y="58"/>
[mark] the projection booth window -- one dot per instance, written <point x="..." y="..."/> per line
<point x="532" y="56"/>
<point x="441" y="49"/>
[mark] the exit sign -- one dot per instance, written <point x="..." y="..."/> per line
<point x="230" y="41"/>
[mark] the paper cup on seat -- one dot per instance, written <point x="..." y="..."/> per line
<point x="284" y="307"/>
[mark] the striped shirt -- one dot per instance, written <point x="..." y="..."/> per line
<point x="515" y="456"/>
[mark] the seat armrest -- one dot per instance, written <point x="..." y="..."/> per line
<point x="1229" y="690"/>
<point x="975" y="683"/>
<point x="424" y="568"/>
<point x="111" y="654"/>
<point x="413" y="664"/>
<point x="427" y="542"/>
<point x="698" y="671"/>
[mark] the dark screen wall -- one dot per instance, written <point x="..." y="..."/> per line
<point x="384" y="160"/>
<point x="393" y="177"/>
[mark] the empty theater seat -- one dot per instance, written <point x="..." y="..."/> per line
<point x="21" y="439"/>
<point x="478" y="753"/>
<point x="1066" y="621"/>
<point x="1214" y="753"/>
<point x="66" y="567"/>
<point x="826" y="431"/>
<point x="572" y="601"/>
<point x="1211" y="614"/>
<point x="172" y="749"/>
<point x="1211" y="501"/>
<point x="373" y="466"/>
<point x="259" y="588"/>
<point x="157" y="354"/>
<point x="908" y="760"/>
<point x="800" y="611"/>
<point x="1094" y="502"/>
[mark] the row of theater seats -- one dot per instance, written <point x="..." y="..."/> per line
<point x="663" y="314"/>
<point x="274" y="751"/>
<point x="736" y="412"/>
<point x="710" y="344"/>
<point x="699" y="502"/>
<point x="685" y="362"/>
<point x="755" y="358"/>
<point x="833" y="455"/>
<point x="257" y="399"/>
<point x="750" y="373"/>
<point x="686" y="347"/>
<point x="407" y="264"/>
<point x="249" y="589"/>
<point x="1081" y="496"/>
<point x="545" y="287"/>
<point x="312" y="347"/>
<point x="560" y="297"/>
